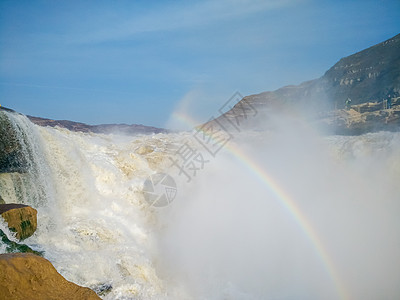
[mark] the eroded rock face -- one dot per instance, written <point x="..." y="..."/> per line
<point x="28" y="276"/>
<point x="21" y="219"/>
<point x="362" y="118"/>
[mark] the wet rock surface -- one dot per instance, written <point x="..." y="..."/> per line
<point x="12" y="158"/>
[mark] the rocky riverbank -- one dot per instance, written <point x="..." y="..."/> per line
<point x="362" y="118"/>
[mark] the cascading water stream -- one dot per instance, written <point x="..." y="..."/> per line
<point x="31" y="183"/>
<point x="229" y="234"/>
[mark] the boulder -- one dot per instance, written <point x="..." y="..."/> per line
<point x="2" y="200"/>
<point x="28" y="276"/>
<point x="20" y="218"/>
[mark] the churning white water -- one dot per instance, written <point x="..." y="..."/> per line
<point x="229" y="233"/>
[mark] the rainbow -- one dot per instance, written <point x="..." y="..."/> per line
<point x="185" y="119"/>
<point x="288" y="204"/>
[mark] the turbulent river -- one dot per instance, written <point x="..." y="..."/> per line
<point x="288" y="214"/>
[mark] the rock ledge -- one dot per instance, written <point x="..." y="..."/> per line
<point x="27" y="276"/>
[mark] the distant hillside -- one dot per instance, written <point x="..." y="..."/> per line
<point x="102" y="128"/>
<point x="372" y="75"/>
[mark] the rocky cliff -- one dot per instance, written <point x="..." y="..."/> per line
<point x="369" y="76"/>
<point x="361" y="118"/>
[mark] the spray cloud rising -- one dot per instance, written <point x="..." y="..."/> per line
<point x="283" y="214"/>
<point x="290" y="215"/>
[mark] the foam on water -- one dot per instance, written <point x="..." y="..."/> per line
<point x="225" y="236"/>
<point x="102" y="233"/>
<point x="93" y="222"/>
<point x="34" y="186"/>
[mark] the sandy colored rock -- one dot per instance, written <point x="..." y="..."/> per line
<point x="28" y="276"/>
<point x="145" y="149"/>
<point x="21" y="219"/>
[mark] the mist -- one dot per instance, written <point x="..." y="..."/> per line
<point x="228" y="235"/>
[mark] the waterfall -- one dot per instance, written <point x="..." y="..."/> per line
<point x="286" y="215"/>
<point x="93" y="222"/>
<point x="28" y="181"/>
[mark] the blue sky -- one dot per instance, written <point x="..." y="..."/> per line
<point x="139" y="61"/>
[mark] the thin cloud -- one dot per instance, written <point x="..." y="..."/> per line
<point x="183" y="17"/>
<point x="40" y="86"/>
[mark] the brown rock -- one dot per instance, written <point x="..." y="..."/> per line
<point x="28" y="276"/>
<point x="21" y="219"/>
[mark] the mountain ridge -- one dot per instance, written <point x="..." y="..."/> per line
<point x="127" y="129"/>
<point x="368" y="76"/>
